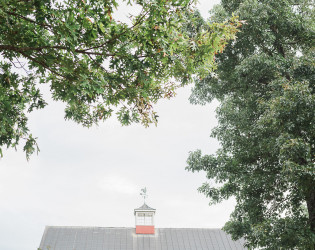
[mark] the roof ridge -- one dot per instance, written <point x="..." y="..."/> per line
<point x="133" y="227"/>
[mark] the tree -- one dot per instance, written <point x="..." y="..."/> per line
<point x="96" y="64"/>
<point x="265" y="82"/>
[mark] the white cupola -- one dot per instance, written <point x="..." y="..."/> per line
<point x="144" y="216"/>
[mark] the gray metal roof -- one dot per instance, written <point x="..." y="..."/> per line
<point x="113" y="238"/>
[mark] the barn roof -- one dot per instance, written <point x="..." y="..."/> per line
<point x="113" y="238"/>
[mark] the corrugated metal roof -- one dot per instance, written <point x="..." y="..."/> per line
<point x="107" y="238"/>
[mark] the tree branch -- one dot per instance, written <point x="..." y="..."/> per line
<point x="45" y="25"/>
<point x="43" y="64"/>
<point x="81" y="51"/>
<point x="115" y="37"/>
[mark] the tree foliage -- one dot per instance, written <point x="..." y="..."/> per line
<point x="265" y="82"/>
<point x="96" y="64"/>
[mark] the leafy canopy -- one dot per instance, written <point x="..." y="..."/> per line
<point x="98" y="65"/>
<point x="265" y="82"/>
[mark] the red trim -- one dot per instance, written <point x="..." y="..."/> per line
<point x="144" y="229"/>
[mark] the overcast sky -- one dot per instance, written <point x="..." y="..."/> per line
<point x="93" y="177"/>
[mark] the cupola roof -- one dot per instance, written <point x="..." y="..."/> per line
<point x="145" y="207"/>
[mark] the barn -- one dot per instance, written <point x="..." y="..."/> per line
<point x="144" y="236"/>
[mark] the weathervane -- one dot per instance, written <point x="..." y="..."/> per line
<point x="144" y="193"/>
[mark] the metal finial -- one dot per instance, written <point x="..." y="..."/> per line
<point x="144" y="193"/>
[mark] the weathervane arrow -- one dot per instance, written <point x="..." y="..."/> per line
<point x="144" y="193"/>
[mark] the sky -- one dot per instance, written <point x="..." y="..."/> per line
<point x="93" y="177"/>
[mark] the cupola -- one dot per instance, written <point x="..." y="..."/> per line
<point x="144" y="216"/>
